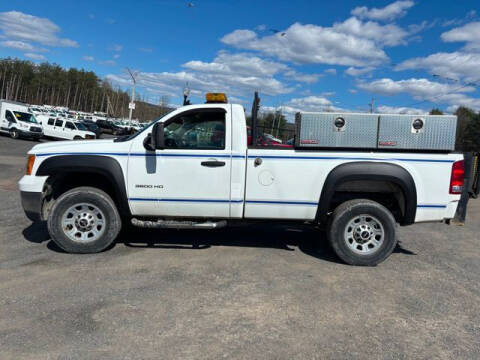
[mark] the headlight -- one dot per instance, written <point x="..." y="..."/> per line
<point x="30" y="162"/>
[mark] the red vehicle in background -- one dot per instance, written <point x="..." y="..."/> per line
<point x="265" y="140"/>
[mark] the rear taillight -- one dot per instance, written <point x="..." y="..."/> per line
<point x="457" y="178"/>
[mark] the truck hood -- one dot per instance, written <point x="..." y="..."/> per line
<point x="74" y="146"/>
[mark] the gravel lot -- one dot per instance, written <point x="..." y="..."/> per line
<point x="263" y="292"/>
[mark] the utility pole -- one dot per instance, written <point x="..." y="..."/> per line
<point x="372" y="105"/>
<point x="131" y="106"/>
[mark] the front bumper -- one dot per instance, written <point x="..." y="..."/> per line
<point x="32" y="193"/>
<point x="32" y="204"/>
<point x="30" y="134"/>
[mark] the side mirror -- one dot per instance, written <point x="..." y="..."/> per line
<point x="155" y="140"/>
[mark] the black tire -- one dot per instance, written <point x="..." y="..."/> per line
<point x="84" y="195"/>
<point x="14" y="134"/>
<point x="340" y="227"/>
<point x="77" y="138"/>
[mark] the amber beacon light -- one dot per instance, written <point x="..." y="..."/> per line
<point x="215" y="98"/>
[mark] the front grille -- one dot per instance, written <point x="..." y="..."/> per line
<point x="35" y="129"/>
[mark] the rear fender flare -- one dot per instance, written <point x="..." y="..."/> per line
<point x="368" y="170"/>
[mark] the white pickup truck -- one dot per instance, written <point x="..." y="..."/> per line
<point x="193" y="169"/>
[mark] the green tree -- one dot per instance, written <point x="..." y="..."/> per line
<point x="436" y="111"/>
<point x="467" y="129"/>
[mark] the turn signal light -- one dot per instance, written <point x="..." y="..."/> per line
<point x="30" y="162"/>
<point x="216" y="98"/>
<point x="457" y="178"/>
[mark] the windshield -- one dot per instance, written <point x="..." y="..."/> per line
<point x="21" y="116"/>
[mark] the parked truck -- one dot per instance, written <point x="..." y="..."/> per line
<point x="193" y="169"/>
<point x="17" y="121"/>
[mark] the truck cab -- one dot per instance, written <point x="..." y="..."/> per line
<point x="193" y="168"/>
<point x="17" y="121"/>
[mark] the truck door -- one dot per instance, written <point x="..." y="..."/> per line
<point x="58" y="129"/>
<point x="191" y="176"/>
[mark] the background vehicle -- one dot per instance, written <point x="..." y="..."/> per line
<point x="91" y="126"/>
<point x="110" y="128"/>
<point x="193" y="169"/>
<point x="18" y="121"/>
<point x="66" y="129"/>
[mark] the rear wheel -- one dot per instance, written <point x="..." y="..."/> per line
<point x="362" y="232"/>
<point x="14" y="134"/>
<point x="84" y="220"/>
<point x="77" y="138"/>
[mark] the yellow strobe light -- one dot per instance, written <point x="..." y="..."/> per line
<point x="216" y="98"/>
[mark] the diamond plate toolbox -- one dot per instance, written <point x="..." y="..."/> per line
<point x="375" y="131"/>
<point x="417" y="132"/>
<point x="336" y="130"/>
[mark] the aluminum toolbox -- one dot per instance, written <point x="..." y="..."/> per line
<point x="336" y="130"/>
<point x="375" y="131"/>
<point x="417" y="132"/>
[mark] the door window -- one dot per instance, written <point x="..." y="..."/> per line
<point x="51" y="121"/>
<point x="59" y="123"/>
<point x="203" y="130"/>
<point x="9" y="116"/>
<point x="69" y="125"/>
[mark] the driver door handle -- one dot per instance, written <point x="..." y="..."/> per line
<point x="213" y="163"/>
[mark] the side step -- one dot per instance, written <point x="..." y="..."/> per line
<point x="173" y="224"/>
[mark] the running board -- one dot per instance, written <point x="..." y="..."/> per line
<point x="172" y="224"/>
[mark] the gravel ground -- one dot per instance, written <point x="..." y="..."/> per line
<point x="257" y="292"/>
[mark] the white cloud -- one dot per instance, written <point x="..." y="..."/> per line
<point x="88" y="58"/>
<point x="382" y="35"/>
<point x="418" y="88"/>
<point x="352" y="71"/>
<point x="261" y="27"/>
<point x="306" y="78"/>
<point x="312" y="44"/>
<point x="116" y="47"/>
<point x="244" y="64"/>
<point x="331" y="71"/>
<point x="21" y="45"/>
<point x="389" y="12"/>
<point x="35" y="56"/>
<point x="424" y="90"/>
<point x="469" y="33"/>
<point x="454" y="65"/>
<point x="16" y="25"/>
<point x="146" y="50"/>
<point x="385" y="109"/>
<point x="116" y="56"/>
<point x="234" y="74"/>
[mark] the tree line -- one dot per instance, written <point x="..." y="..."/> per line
<point x="468" y="128"/>
<point x="79" y="90"/>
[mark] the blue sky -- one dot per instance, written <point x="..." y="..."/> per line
<point x="300" y="55"/>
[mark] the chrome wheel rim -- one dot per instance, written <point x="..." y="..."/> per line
<point x="83" y="223"/>
<point x="364" y="234"/>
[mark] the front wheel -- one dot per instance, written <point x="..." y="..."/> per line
<point x="84" y="220"/>
<point x="14" y="134"/>
<point x="362" y="232"/>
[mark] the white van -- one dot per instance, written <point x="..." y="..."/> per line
<point x="18" y="121"/>
<point x="65" y="129"/>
